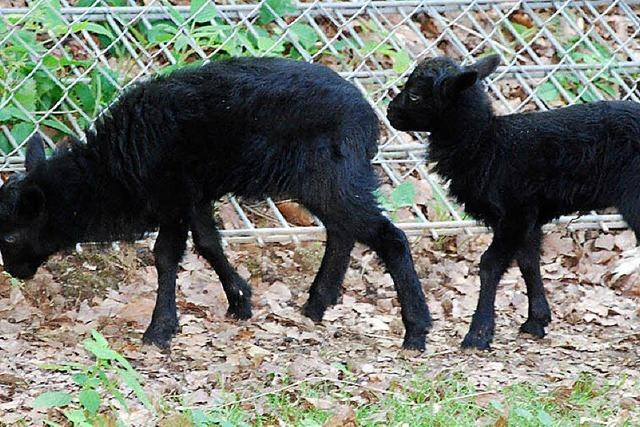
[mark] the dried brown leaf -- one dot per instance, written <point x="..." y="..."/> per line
<point x="295" y="213"/>
<point x="343" y="416"/>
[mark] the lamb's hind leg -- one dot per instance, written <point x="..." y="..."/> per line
<point x="366" y="223"/>
<point x="528" y="257"/>
<point x="207" y="242"/>
<point x="327" y="284"/>
<point x="353" y="215"/>
<point x="392" y="246"/>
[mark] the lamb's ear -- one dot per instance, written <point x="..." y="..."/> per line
<point x="31" y="202"/>
<point x="456" y="83"/>
<point x="35" y="152"/>
<point x="486" y="66"/>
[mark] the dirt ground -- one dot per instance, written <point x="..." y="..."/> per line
<point x="592" y="281"/>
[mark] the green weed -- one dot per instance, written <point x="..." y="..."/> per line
<point x="98" y="385"/>
<point x="38" y="73"/>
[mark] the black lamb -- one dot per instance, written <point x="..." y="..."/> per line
<point x="253" y="127"/>
<point x="520" y="171"/>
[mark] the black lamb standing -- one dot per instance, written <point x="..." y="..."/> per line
<point x="253" y="127"/>
<point x="517" y="172"/>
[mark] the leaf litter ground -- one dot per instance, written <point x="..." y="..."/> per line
<point x="592" y="280"/>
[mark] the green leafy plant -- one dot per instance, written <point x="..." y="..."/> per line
<point x="524" y="32"/>
<point x="400" y="197"/>
<point x="379" y="42"/>
<point x="232" y="416"/>
<point x="98" y="383"/>
<point x="41" y="64"/>
<point x="272" y="9"/>
<point x="401" y="59"/>
<point x="12" y="280"/>
<point x="34" y="68"/>
<point x="582" y="52"/>
<point x="440" y="210"/>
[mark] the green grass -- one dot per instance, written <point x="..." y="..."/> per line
<point x="104" y="391"/>
<point x="444" y="401"/>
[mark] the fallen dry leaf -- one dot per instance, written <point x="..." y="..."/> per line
<point x="522" y="18"/>
<point x="592" y="329"/>
<point x="295" y="213"/>
<point x="343" y="416"/>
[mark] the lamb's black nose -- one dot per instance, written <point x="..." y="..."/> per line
<point x="396" y="119"/>
<point x="21" y="271"/>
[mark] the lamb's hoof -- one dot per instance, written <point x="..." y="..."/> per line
<point x="534" y="327"/>
<point x="478" y="339"/>
<point x="314" y="312"/>
<point x="239" y="296"/>
<point x="160" y="332"/>
<point x="415" y="342"/>
<point x="240" y="310"/>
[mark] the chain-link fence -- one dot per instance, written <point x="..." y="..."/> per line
<point x="62" y="62"/>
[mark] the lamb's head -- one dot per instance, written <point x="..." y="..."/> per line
<point x="23" y="218"/>
<point x="435" y="89"/>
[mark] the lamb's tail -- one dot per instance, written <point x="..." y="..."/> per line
<point x="358" y="134"/>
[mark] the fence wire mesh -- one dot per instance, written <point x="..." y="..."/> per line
<point x="62" y="62"/>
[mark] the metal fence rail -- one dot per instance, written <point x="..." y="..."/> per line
<point x="62" y="62"/>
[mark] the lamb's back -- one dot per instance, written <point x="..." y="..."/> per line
<point x="570" y="158"/>
<point x="227" y="120"/>
<point x="282" y="100"/>
<point x="605" y="123"/>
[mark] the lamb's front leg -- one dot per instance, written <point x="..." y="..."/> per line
<point x="528" y="257"/>
<point x="207" y="242"/>
<point x="168" y="251"/>
<point x="493" y="264"/>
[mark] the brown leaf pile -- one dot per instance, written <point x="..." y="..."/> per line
<point x="591" y="279"/>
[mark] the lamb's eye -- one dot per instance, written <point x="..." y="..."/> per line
<point x="413" y="97"/>
<point x="11" y="238"/>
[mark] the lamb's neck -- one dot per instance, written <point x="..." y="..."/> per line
<point x="85" y="204"/>
<point x="460" y="146"/>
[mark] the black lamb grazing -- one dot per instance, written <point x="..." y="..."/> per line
<point x="253" y="127"/>
<point x="520" y="171"/>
